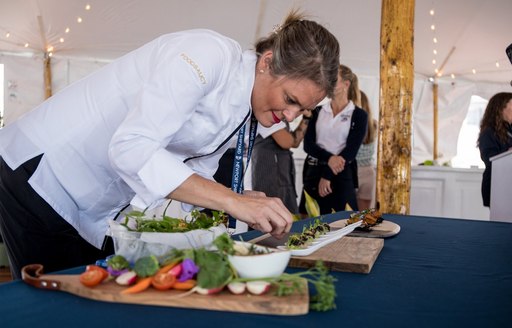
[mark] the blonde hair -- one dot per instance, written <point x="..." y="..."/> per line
<point x="371" y="133"/>
<point x="353" y="92"/>
<point x="303" y="49"/>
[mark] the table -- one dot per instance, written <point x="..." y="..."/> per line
<point x="436" y="272"/>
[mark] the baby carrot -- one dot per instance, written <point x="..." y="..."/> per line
<point x="184" y="285"/>
<point x="139" y="286"/>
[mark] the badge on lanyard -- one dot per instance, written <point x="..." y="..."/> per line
<point x="237" y="184"/>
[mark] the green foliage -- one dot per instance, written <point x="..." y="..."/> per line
<point x="146" y="266"/>
<point x="199" y="220"/>
<point x="118" y="262"/>
<point x="214" y="271"/>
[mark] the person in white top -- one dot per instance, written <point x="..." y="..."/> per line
<point x="151" y="126"/>
<point x="332" y="141"/>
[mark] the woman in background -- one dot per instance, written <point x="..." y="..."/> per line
<point x="332" y="141"/>
<point x="365" y="160"/>
<point x="495" y="136"/>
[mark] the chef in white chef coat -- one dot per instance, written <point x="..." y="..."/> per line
<point x="150" y="126"/>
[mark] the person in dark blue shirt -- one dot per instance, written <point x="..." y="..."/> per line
<point x="495" y="136"/>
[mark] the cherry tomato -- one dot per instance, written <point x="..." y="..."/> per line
<point x="91" y="278"/>
<point x="92" y="267"/>
<point x="163" y="281"/>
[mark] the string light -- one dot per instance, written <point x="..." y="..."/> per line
<point x="7" y="35"/>
<point x="490" y="66"/>
<point x="87" y="7"/>
<point x="67" y="30"/>
<point x="434" y="39"/>
<point x="79" y="19"/>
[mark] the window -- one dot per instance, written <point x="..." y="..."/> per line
<point x="468" y="155"/>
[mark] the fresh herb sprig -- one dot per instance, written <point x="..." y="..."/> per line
<point x="289" y="283"/>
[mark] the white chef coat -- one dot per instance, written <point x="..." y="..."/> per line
<point x="332" y="132"/>
<point x="136" y="129"/>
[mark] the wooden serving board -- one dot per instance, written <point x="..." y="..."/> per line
<point x="268" y="303"/>
<point x="348" y="254"/>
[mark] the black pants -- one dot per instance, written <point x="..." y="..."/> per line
<point x="343" y="189"/>
<point x="33" y="232"/>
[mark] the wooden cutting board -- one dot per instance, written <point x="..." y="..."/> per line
<point x="268" y="303"/>
<point x="348" y="254"/>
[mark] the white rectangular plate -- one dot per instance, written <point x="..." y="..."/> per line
<point x="323" y="240"/>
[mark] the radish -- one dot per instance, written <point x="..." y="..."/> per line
<point x="240" y="249"/>
<point x="126" y="278"/>
<point x="258" y="287"/>
<point x="205" y="291"/>
<point x="236" y="288"/>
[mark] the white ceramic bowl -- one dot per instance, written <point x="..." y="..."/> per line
<point x="266" y="265"/>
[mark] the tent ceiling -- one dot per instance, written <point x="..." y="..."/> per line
<point x="479" y="31"/>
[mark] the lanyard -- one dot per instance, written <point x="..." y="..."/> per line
<point x="238" y="170"/>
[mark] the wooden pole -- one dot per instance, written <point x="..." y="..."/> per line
<point x="396" y="94"/>
<point x="47" y="76"/>
<point x="435" y="96"/>
<point x="435" y="88"/>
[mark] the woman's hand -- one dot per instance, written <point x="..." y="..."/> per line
<point x="324" y="187"/>
<point x="266" y="214"/>
<point x="336" y="163"/>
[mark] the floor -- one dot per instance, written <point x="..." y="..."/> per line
<point x="5" y="274"/>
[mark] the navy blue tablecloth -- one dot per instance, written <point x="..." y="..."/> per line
<point x="435" y="273"/>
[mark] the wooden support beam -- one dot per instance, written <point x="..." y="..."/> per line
<point x="435" y="88"/>
<point x="396" y="94"/>
<point x="47" y="75"/>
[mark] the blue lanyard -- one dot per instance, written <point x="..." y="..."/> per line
<point x="237" y="184"/>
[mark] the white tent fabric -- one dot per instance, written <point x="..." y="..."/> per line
<point x="479" y="31"/>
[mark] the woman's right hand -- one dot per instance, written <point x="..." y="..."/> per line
<point x="266" y="214"/>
